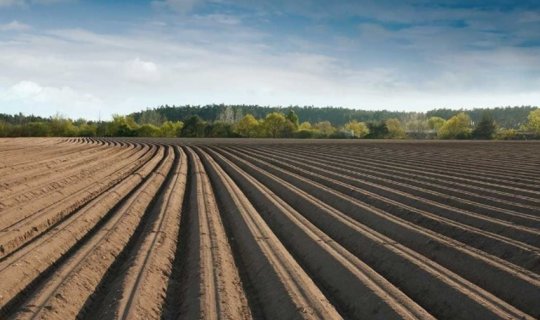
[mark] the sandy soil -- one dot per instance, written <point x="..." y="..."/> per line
<point x="268" y="229"/>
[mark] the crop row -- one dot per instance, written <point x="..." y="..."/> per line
<point x="241" y="229"/>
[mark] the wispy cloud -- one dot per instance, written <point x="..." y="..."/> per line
<point x="32" y="98"/>
<point x="267" y="53"/>
<point x="23" y="3"/>
<point x="182" y="6"/>
<point x="14" y="26"/>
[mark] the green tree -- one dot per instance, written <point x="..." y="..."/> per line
<point x="533" y="123"/>
<point x="485" y="128"/>
<point x="151" y="117"/>
<point x="395" y="130"/>
<point x="88" y="130"/>
<point x="358" y="129"/>
<point x="102" y="129"/>
<point x="276" y="125"/>
<point x="293" y="118"/>
<point x="415" y="123"/>
<point x="305" y="126"/>
<point x="122" y="126"/>
<point x="506" y="134"/>
<point x="457" y="127"/>
<point x="171" y="129"/>
<point x="377" y="130"/>
<point x="60" y="126"/>
<point x="324" y="128"/>
<point x="148" y="130"/>
<point x="247" y="127"/>
<point x="4" y="128"/>
<point x="305" y="134"/>
<point x="220" y="129"/>
<point x="227" y="115"/>
<point x="194" y="127"/>
<point x="36" y="129"/>
<point x="435" y="123"/>
<point x="305" y="131"/>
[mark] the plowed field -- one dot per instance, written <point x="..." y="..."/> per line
<point x="268" y="229"/>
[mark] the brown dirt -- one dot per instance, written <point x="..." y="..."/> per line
<point x="276" y="229"/>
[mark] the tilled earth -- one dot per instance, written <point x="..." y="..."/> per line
<point x="268" y="229"/>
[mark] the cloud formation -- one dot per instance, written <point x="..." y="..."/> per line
<point x="24" y="3"/>
<point x="250" y="52"/>
<point x="182" y="6"/>
<point x="142" y="71"/>
<point x="33" y="97"/>
<point x="14" y="26"/>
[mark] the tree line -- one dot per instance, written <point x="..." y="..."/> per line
<point x="506" y="117"/>
<point x="285" y="123"/>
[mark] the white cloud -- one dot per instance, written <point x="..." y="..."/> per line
<point x="37" y="99"/>
<point x="142" y="71"/>
<point x="14" y="26"/>
<point x="219" y="58"/>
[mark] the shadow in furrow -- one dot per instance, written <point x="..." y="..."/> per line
<point x="13" y="306"/>
<point x="183" y="287"/>
<point x="105" y="296"/>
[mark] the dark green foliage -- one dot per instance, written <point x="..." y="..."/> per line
<point x="152" y="117"/>
<point x="506" y="117"/>
<point x="124" y="130"/>
<point x="486" y="128"/>
<point x="194" y="127"/>
<point x="121" y="127"/>
<point x="88" y="130"/>
<point x="293" y="118"/>
<point x="224" y="121"/>
<point x="305" y="134"/>
<point x="37" y="129"/>
<point x="377" y="130"/>
<point x="337" y="116"/>
<point x="340" y="135"/>
<point x="148" y="130"/>
<point x="20" y="118"/>
<point x="220" y="129"/>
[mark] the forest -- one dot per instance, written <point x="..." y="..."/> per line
<point x="251" y="121"/>
<point x="506" y="117"/>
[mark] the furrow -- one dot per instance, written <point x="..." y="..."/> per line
<point x="41" y="255"/>
<point x="451" y="171"/>
<point x="440" y="200"/>
<point x="44" y="218"/>
<point x="282" y="287"/>
<point x="357" y="289"/>
<point x="144" y="294"/>
<point x="79" y="276"/>
<point x="442" y="213"/>
<point x="465" y="193"/>
<point x="86" y="168"/>
<point x="520" y="285"/>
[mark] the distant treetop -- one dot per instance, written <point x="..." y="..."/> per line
<point x="507" y="117"/>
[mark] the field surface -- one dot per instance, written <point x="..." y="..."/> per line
<point x="268" y="229"/>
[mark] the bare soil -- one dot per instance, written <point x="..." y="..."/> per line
<point x="120" y="228"/>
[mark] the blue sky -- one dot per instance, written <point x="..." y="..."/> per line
<point x="86" y="58"/>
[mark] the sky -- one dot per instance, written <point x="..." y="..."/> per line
<point x="95" y="58"/>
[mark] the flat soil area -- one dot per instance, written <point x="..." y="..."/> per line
<point x="125" y="228"/>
